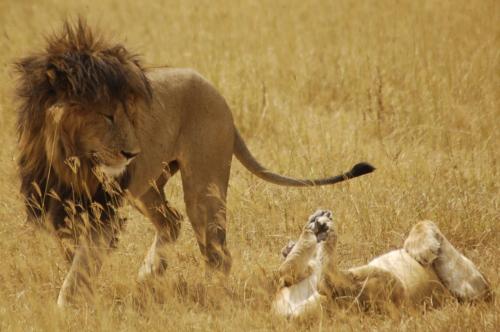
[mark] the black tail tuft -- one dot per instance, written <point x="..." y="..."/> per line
<point x="361" y="169"/>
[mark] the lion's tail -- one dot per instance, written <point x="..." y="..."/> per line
<point x="248" y="160"/>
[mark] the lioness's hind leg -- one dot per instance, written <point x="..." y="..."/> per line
<point x="423" y="242"/>
<point x="167" y="221"/>
<point x="429" y="246"/>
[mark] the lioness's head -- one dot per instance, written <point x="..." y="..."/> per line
<point x="79" y="109"/>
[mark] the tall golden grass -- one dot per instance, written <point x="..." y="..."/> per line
<point x="411" y="86"/>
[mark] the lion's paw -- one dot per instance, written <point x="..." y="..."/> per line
<point x="154" y="263"/>
<point x="152" y="268"/>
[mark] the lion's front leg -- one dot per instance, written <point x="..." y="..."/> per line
<point x="155" y="262"/>
<point x="167" y="221"/>
<point x="86" y="264"/>
<point x="205" y="176"/>
<point x="207" y="214"/>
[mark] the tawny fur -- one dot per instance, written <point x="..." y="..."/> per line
<point x="426" y="269"/>
<point x="94" y="126"/>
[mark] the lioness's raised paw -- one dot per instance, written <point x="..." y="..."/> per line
<point x="321" y="222"/>
<point x="287" y="249"/>
<point x="318" y="214"/>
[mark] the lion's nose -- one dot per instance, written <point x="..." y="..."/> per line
<point x="129" y="155"/>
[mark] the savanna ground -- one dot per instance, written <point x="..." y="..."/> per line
<point x="315" y="86"/>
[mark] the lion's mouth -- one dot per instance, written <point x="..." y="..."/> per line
<point x="113" y="171"/>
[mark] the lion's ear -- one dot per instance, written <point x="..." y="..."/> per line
<point x="56" y="75"/>
<point x="51" y="76"/>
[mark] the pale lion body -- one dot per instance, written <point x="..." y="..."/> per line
<point x="425" y="269"/>
<point x="94" y="126"/>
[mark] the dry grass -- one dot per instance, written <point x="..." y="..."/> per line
<point x="411" y="86"/>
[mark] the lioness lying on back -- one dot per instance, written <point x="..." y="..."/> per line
<point x="427" y="268"/>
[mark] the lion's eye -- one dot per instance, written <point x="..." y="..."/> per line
<point x="109" y="118"/>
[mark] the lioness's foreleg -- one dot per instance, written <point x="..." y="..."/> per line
<point x="300" y="261"/>
<point x="167" y="221"/>
<point x="427" y="245"/>
<point x="357" y="286"/>
<point x="296" y="265"/>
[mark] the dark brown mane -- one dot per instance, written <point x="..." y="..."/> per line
<point x="75" y="67"/>
<point x="78" y="67"/>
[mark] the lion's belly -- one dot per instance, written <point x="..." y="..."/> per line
<point x="419" y="282"/>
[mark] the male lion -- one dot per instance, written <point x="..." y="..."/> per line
<point x="94" y="125"/>
<point x="427" y="268"/>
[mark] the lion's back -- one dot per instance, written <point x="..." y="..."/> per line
<point x="194" y="98"/>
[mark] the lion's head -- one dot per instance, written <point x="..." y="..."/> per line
<point x="78" y="111"/>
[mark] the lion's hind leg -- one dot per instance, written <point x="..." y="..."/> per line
<point x="427" y="245"/>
